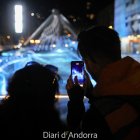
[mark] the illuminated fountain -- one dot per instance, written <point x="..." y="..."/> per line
<point x="55" y="32"/>
<point x="55" y="44"/>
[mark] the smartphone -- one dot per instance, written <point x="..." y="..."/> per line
<point x="77" y="69"/>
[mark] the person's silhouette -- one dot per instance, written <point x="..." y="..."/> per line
<point x="30" y="109"/>
<point x="114" y="110"/>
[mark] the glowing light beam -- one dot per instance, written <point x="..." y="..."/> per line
<point x="18" y="19"/>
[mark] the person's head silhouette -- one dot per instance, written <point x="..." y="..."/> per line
<point x="30" y="109"/>
<point x="98" y="47"/>
<point x="33" y="82"/>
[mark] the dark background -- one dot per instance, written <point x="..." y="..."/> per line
<point x="75" y="10"/>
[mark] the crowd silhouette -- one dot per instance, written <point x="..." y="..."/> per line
<point x="114" y="112"/>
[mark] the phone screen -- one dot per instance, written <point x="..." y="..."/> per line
<point x="77" y="69"/>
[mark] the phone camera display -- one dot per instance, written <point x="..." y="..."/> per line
<point x="78" y="70"/>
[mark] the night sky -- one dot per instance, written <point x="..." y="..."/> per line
<point x="42" y="9"/>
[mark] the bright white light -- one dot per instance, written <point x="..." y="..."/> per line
<point x="59" y="50"/>
<point x="18" y="19"/>
<point x="32" y="14"/>
<point x="37" y="41"/>
<point x="66" y="45"/>
<point x="53" y="45"/>
<point x="110" y="27"/>
<point x="19" y="45"/>
<point x="32" y="41"/>
<point x="137" y="52"/>
<point x="8" y="37"/>
<point x="73" y="42"/>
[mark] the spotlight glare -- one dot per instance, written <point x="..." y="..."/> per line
<point x="18" y="19"/>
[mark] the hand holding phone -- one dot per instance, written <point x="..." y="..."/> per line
<point x="77" y="70"/>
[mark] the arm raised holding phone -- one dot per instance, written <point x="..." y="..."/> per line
<point x="78" y="84"/>
<point x="77" y="87"/>
<point x="76" y="108"/>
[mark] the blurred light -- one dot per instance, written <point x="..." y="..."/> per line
<point x="32" y="41"/>
<point x="138" y="36"/>
<point x="53" y="45"/>
<point x="18" y="19"/>
<point x="73" y="42"/>
<point x="57" y="96"/>
<point x="59" y="51"/>
<point x="135" y="38"/>
<point x="66" y="45"/>
<point x="37" y="41"/>
<point x="6" y="97"/>
<point x="74" y="20"/>
<point x="110" y="27"/>
<point x="130" y="37"/>
<point x="69" y="35"/>
<point x="137" y="52"/>
<point x="92" y="16"/>
<point x="22" y="41"/>
<point x="5" y="54"/>
<point x="19" y="46"/>
<point x="15" y="46"/>
<point x="8" y="37"/>
<point x="88" y="3"/>
<point x="2" y="97"/>
<point x="61" y="96"/>
<point x="32" y="14"/>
